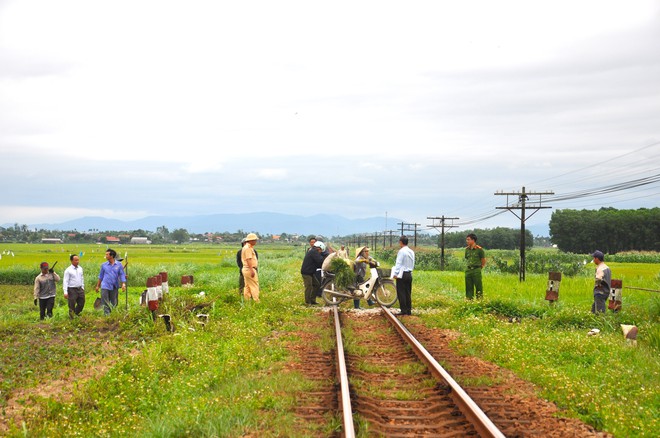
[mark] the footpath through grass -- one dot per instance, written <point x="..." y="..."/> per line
<point x="228" y="378"/>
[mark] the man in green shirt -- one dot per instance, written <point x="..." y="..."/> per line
<point x="476" y="260"/>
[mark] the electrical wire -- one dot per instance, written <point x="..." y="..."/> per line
<point x="612" y="188"/>
<point x="640" y="172"/>
<point x="597" y="165"/>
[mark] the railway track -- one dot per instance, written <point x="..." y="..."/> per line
<point x="393" y="395"/>
<point x="382" y="386"/>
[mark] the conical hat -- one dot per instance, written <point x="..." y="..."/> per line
<point x="359" y="250"/>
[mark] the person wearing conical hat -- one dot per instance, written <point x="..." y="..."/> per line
<point x="250" y="264"/>
<point x="239" y="262"/>
<point x="362" y="259"/>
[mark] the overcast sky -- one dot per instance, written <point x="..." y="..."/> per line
<point x="126" y="109"/>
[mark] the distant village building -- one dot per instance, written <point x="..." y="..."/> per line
<point x="210" y="237"/>
<point x="51" y="240"/>
<point x="112" y="239"/>
<point x="140" y="240"/>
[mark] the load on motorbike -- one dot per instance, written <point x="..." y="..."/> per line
<point x="342" y="281"/>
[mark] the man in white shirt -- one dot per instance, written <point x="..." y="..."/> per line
<point x="402" y="271"/>
<point x="74" y="286"/>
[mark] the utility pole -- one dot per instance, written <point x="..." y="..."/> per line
<point x="408" y="228"/>
<point x="374" y="239"/>
<point x="390" y="232"/>
<point x="523" y="204"/>
<point x="442" y="226"/>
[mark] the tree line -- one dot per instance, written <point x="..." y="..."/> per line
<point x="162" y="235"/>
<point x="494" y="238"/>
<point x="608" y="229"/>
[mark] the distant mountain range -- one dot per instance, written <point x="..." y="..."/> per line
<point x="263" y="223"/>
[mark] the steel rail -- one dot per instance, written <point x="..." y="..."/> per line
<point x="466" y="405"/>
<point x="347" y="410"/>
<point x="642" y="288"/>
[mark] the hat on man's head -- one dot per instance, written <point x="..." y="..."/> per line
<point x="250" y="237"/>
<point x="359" y="250"/>
<point x="598" y="255"/>
<point x="43" y="265"/>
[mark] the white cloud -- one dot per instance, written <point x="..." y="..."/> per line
<point x="169" y="99"/>
<point x="271" y="174"/>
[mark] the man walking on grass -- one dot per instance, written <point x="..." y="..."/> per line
<point x="44" y="290"/>
<point x="74" y="286"/>
<point x="111" y="274"/>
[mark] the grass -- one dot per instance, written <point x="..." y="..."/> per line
<point x="602" y="380"/>
<point x="228" y="378"/>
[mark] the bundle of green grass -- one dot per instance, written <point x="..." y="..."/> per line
<point x="343" y="270"/>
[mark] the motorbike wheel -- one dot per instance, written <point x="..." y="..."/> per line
<point x="386" y="293"/>
<point x="327" y="295"/>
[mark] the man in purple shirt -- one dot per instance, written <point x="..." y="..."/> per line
<point x="109" y="277"/>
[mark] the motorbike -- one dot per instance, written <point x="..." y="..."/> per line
<point x="378" y="286"/>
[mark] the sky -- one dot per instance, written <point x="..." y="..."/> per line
<point x="413" y="110"/>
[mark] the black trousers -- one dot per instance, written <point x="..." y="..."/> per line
<point x="241" y="283"/>
<point x="404" y="292"/>
<point x="317" y="284"/>
<point x="76" y="300"/>
<point x="46" y="307"/>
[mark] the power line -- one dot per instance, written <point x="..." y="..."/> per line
<point x="477" y="219"/>
<point x="612" y="188"/>
<point x="633" y="170"/>
<point x="600" y="204"/>
<point x="617" y="158"/>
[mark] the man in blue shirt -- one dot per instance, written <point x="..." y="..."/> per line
<point x="109" y="277"/>
<point x="402" y="271"/>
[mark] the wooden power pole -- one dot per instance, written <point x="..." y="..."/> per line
<point x="409" y="227"/>
<point x="442" y="225"/>
<point x="523" y="204"/>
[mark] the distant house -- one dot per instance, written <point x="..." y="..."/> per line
<point x="112" y="239"/>
<point x="210" y="237"/>
<point x="276" y="238"/>
<point x="140" y="240"/>
<point x="51" y="240"/>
